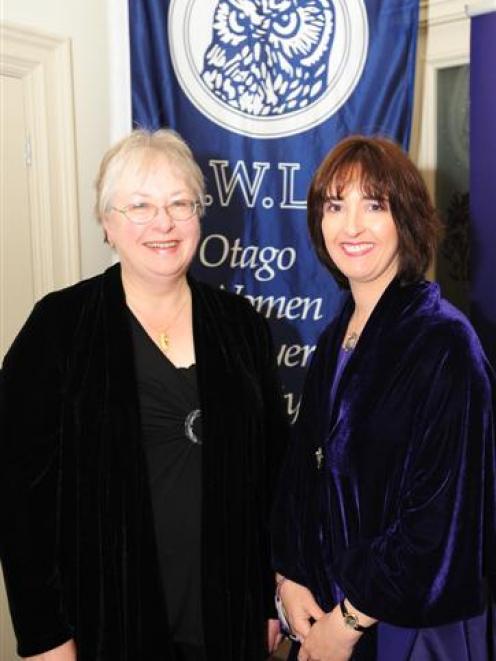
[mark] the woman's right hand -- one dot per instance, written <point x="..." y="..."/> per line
<point x="300" y="607"/>
<point x="65" y="652"/>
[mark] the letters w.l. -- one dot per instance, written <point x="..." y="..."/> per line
<point x="250" y="185"/>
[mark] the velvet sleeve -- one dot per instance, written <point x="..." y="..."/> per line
<point x="276" y="436"/>
<point x="427" y="568"/>
<point x="29" y="467"/>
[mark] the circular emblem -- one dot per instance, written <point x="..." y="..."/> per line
<point x="268" y="68"/>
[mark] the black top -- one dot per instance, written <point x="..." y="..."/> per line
<point x="170" y="420"/>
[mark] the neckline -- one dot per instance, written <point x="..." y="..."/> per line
<point x="150" y="341"/>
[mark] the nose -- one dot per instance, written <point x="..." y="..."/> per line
<point x="353" y="224"/>
<point x="164" y="219"/>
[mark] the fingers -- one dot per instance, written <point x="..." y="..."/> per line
<point x="301" y="627"/>
<point x="314" y="610"/>
<point x="302" y="655"/>
<point x="273" y="635"/>
<point x="301" y="620"/>
<point x="300" y="608"/>
<point x="277" y="642"/>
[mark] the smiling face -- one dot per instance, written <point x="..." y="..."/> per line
<point x="360" y="236"/>
<point x="380" y="170"/>
<point x="162" y="249"/>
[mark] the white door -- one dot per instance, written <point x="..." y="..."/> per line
<point x="38" y="200"/>
<point x="16" y="264"/>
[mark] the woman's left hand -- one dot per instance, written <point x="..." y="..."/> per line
<point x="329" y="640"/>
<point x="274" y="635"/>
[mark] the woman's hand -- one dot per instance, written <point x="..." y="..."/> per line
<point x="300" y="607"/>
<point x="65" y="652"/>
<point x="274" y="635"/>
<point x="329" y="639"/>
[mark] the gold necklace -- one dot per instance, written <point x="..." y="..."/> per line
<point x="163" y="339"/>
<point x="163" y="335"/>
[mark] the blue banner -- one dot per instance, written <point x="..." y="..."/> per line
<point x="261" y="90"/>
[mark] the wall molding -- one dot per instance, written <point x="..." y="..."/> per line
<point x="44" y="66"/>
<point x="480" y="7"/>
<point x="438" y="12"/>
<point x="120" y="69"/>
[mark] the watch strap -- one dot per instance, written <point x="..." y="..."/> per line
<point x="350" y="619"/>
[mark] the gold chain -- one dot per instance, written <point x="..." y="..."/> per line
<point x="163" y="339"/>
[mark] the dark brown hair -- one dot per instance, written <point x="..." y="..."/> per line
<point x="384" y="172"/>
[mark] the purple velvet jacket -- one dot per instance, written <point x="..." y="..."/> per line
<point x="400" y="517"/>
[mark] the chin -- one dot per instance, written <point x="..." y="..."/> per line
<point x="170" y="274"/>
<point x="353" y="276"/>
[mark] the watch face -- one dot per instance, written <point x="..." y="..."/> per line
<point x="350" y="621"/>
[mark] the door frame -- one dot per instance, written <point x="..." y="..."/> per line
<point x="43" y="63"/>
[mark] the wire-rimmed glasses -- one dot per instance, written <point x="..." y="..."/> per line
<point x="141" y="213"/>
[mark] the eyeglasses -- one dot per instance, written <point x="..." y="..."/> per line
<point x="142" y="213"/>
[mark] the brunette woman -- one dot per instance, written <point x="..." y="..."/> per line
<point x="384" y="528"/>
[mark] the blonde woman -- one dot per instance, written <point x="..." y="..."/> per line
<point x="142" y="431"/>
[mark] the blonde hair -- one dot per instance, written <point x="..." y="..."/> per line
<point x="136" y="152"/>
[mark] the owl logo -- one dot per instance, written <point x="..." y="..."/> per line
<point x="267" y="68"/>
<point x="268" y="58"/>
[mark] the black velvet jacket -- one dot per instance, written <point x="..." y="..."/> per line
<point x="77" y="540"/>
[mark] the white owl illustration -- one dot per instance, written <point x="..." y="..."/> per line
<point x="269" y="57"/>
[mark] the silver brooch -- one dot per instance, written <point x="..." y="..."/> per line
<point x="319" y="456"/>
<point x="350" y="342"/>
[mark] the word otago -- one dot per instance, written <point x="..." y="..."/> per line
<point x="215" y="251"/>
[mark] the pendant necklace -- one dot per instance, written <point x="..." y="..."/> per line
<point x="350" y="341"/>
<point x="163" y="335"/>
<point x="163" y="339"/>
<point x="352" y="337"/>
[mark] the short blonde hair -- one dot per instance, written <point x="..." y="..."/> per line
<point x="136" y="152"/>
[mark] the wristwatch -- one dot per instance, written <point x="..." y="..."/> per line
<point x="350" y="619"/>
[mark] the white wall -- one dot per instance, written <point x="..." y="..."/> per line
<point x="101" y="89"/>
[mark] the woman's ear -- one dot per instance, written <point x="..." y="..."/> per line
<point x="106" y="237"/>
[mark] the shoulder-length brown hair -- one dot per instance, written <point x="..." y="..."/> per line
<point x="383" y="171"/>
